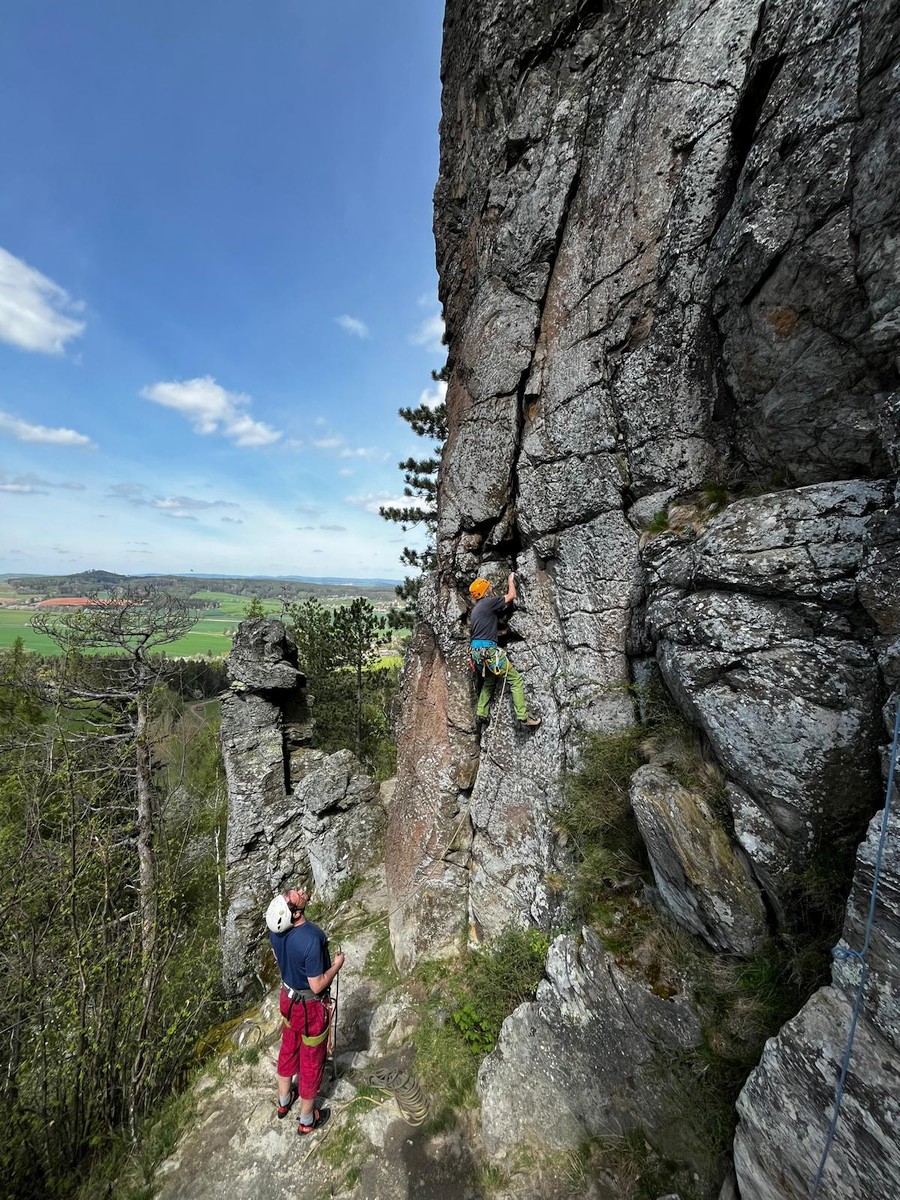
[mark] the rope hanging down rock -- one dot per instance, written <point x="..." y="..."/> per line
<point x="844" y="953"/>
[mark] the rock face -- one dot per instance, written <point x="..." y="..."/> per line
<point x="786" y="1106"/>
<point x="757" y="627"/>
<point x="664" y="254"/>
<point x="703" y="881"/>
<point x="293" y="813"/>
<point x="341" y="821"/>
<point x="587" y="1053"/>
<point x="265" y="676"/>
<point x="666" y="238"/>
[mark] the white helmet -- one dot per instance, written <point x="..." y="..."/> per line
<point x="279" y="915"/>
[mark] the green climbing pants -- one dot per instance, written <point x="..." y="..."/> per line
<point x="513" y="682"/>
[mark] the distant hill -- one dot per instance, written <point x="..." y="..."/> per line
<point x="268" y="587"/>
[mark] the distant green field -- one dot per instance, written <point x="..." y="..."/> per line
<point x="15" y="624"/>
<point x="211" y="634"/>
<point x="236" y="606"/>
<point x="208" y="636"/>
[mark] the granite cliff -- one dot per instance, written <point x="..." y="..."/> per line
<point x="667" y="243"/>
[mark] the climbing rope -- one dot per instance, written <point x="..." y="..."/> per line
<point x="407" y="1093"/>
<point x="844" y="953"/>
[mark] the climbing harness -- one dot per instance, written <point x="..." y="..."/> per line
<point x="304" y="997"/>
<point x="487" y="656"/>
<point x="844" y="953"/>
<point x="407" y="1093"/>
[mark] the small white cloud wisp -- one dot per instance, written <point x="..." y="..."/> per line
<point x="354" y="326"/>
<point x="24" y="431"/>
<point x="430" y="334"/>
<point x="35" y="313"/>
<point x="210" y="409"/>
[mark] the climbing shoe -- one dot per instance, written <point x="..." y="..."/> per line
<point x="284" y="1109"/>
<point x="319" y="1119"/>
<point x="530" y="722"/>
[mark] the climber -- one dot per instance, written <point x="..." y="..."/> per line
<point x="307" y="972"/>
<point x="490" y="659"/>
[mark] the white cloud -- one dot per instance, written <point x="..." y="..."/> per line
<point x="328" y="443"/>
<point x="334" y="528"/>
<point x="359" y="452"/>
<point x="24" y="489"/>
<point x="34" y="311"/>
<point x="181" y="508"/>
<point x="353" y="325"/>
<point x="26" y="432"/>
<point x="212" y="409"/>
<point x="373" y="501"/>
<point x="346" y="472"/>
<point x="430" y="335"/>
<point x="433" y="397"/>
<point x="32" y="484"/>
<point x="232" y="520"/>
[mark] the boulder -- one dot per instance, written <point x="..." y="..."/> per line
<point x="587" y="1051"/>
<point x="759" y="640"/>
<point x="292" y="811"/>
<point x="786" y="1106"/>
<point x="701" y="877"/>
<point x="341" y="826"/>
<point x="264" y="657"/>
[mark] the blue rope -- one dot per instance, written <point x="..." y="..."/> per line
<point x="844" y="953"/>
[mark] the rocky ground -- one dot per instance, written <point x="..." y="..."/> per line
<point x="235" y="1145"/>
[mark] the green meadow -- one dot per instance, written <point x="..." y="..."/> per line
<point x="210" y="636"/>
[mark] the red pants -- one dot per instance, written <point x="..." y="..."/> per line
<point x="309" y="1018"/>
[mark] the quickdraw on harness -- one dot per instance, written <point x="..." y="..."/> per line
<point x="487" y="657"/>
<point x="304" y="996"/>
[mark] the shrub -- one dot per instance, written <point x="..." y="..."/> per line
<point x="497" y="980"/>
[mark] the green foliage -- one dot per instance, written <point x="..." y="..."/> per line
<point x="596" y="821"/>
<point x="445" y="1066"/>
<point x="715" y="496"/>
<point x="351" y="695"/>
<point x="420" y="480"/>
<point x="82" y="987"/>
<point x="254" y="608"/>
<point x="380" y="965"/>
<point x="466" y="1003"/>
<point x="498" y="979"/>
<point x="660" y="522"/>
<point x="346" y="888"/>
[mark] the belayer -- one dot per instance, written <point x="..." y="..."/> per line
<point x="488" y="657"/>
<point x="307" y="973"/>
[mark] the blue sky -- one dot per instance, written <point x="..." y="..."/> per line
<point x="217" y="281"/>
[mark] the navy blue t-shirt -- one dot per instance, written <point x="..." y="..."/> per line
<point x="484" y="618"/>
<point x="302" y="952"/>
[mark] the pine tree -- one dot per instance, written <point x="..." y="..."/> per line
<point x="420" y="480"/>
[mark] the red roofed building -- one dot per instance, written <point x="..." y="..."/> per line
<point x="70" y="602"/>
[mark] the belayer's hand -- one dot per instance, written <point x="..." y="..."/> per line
<point x="339" y="960"/>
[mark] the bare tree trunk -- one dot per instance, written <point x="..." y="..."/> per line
<point x="359" y="708"/>
<point x="146" y="836"/>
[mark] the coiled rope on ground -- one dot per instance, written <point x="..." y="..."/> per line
<point x="407" y="1093"/>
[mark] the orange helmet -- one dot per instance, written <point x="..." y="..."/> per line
<point x="478" y="588"/>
